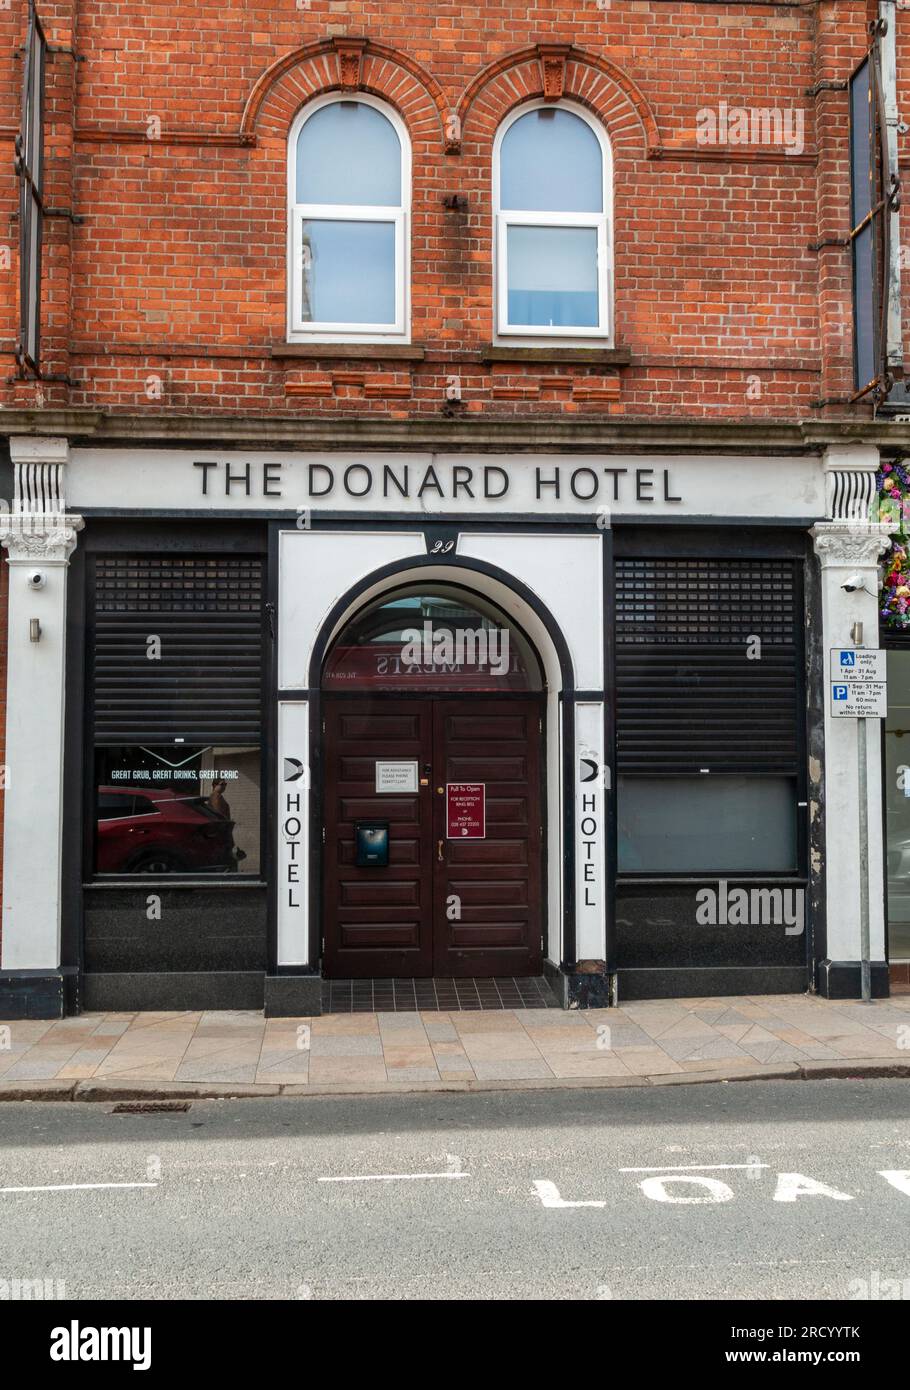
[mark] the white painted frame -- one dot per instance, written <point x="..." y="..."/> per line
<point x="602" y="222"/>
<point x="300" y="330"/>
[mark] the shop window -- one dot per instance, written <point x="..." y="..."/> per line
<point x="439" y="638"/>
<point x="707" y="825"/>
<point x="552" y="190"/>
<point x="176" y="704"/>
<point x="708" y="709"/>
<point x="195" y="811"/>
<point x="349" y="195"/>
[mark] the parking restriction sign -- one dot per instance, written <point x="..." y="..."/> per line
<point x="858" y="687"/>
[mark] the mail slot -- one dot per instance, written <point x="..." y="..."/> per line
<point x="371" y="844"/>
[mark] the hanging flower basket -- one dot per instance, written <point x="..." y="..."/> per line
<point x="893" y="501"/>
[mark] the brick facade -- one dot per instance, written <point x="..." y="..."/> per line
<point x="170" y="141"/>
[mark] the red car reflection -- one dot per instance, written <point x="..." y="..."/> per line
<point x="144" y="831"/>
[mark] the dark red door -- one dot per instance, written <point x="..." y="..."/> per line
<point x="488" y="891"/>
<point x="459" y="905"/>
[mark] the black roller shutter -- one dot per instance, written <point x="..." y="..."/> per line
<point x="207" y="614"/>
<point x="688" y="697"/>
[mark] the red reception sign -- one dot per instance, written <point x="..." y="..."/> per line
<point x="466" y="812"/>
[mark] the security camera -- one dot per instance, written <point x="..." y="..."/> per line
<point x="36" y="579"/>
<point x="854" y="582"/>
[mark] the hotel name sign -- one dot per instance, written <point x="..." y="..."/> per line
<point x="161" y="480"/>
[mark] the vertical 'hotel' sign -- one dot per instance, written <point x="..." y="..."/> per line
<point x="591" y="783"/>
<point x="293" y="829"/>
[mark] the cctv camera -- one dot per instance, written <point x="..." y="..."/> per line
<point x="37" y="579"/>
<point x="853" y="583"/>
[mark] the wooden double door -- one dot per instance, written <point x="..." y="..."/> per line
<point x="445" y="904"/>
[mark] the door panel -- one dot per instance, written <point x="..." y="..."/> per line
<point x="394" y="921"/>
<point x="377" y="921"/>
<point x="496" y="880"/>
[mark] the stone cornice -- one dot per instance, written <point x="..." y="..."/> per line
<point x="537" y="435"/>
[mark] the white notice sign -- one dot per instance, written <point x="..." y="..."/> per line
<point x="860" y="700"/>
<point x="858" y="664"/>
<point x="859" y="688"/>
<point x="396" y="777"/>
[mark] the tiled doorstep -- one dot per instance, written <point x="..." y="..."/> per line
<point x="658" y="1039"/>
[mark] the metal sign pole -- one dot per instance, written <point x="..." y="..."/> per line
<point x="865" y="948"/>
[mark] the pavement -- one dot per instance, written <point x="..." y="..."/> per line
<point x="765" y="1191"/>
<point x="659" y="1042"/>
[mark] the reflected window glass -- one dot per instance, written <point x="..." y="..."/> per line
<point x="177" y="810"/>
<point x="552" y="229"/>
<point x="432" y="639"/>
<point x="707" y="825"/>
<point x="349" y="199"/>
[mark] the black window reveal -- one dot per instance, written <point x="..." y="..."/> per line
<point x="177" y="648"/>
<point x="707" y="714"/>
<point x="30" y="172"/>
<point x="874" y="195"/>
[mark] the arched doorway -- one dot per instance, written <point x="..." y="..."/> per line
<point x="434" y="711"/>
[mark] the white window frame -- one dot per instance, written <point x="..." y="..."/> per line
<point x="602" y="222"/>
<point x="301" y="331"/>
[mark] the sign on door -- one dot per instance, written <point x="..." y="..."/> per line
<point x="466" y="814"/>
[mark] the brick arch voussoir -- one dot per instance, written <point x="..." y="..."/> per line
<point x="591" y="80"/>
<point x="314" y="70"/>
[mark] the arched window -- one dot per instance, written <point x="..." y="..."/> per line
<point x="432" y="637"/>
<point x="349" y="193"/>
<point x="552" y="181"/>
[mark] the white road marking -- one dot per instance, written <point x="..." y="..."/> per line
<point x="793" y="1185"/>
<point x="897" y="1177"/>
<point x="549" y="1196"/>
<point x="80" y="1187"/>
<point x="714" y="1190"/>
<point x="695" y="1168"/>
<point x="394" y="1177"/>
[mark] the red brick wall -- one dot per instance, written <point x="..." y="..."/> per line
<point x="178" y="270"/>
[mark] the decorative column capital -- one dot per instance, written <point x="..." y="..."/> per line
<point x="30" y="537"/>
<point x="850" y="546"/>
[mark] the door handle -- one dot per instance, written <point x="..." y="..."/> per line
<point x="439" y="855"/>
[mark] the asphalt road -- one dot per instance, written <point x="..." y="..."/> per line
<point x="460" y="1196"/>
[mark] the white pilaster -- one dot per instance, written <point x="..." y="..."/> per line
<point x="849" y="544"/>
<point x="39" y="538"/>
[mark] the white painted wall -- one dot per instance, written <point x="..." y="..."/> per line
<point x="566" y="573"/>
<point x="33" y="825"/>
<point x="151" y="479"/>
<point x="316" y="569"/>
<point x="293" y="822"/>
<point x="840" y="610"/>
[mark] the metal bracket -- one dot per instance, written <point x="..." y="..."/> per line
<point x="826" y="86"/>
<point x="54" y="48"/>
<point x="76" y="218"/>
<point x="829" y="241"/>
